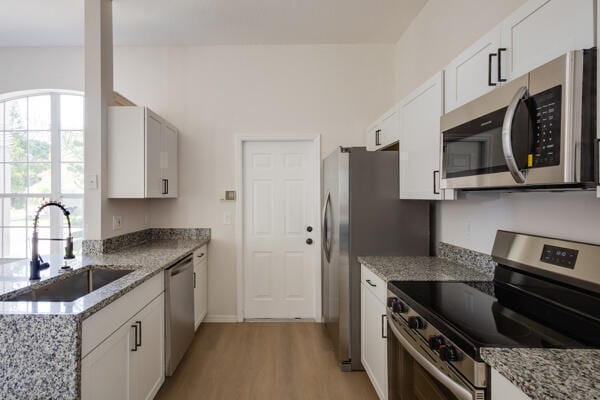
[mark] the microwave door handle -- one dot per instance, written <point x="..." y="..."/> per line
<point x="516" y="173"/>
<point x="458" y="390"/>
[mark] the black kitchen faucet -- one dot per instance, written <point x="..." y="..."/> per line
<point x="37" y="264"/>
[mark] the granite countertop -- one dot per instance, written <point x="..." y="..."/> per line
<point x="401" y="268"/>
<point x="145" y="261"/>
<point x="544" y="374"/>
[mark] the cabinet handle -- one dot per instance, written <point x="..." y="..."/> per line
<point x="164" y="186"/>
<point x="383" y="330"/>
<point x="167" y="186"/>
<point x="194" y="280"/>
<point x="435" y="179"/>
<point x="139" y="323"/>
<point x="371" y="283"/>
<point x="135" y="327"/>
<point x="500" y="50"/>
<point x="491" y="55"/>
<point x="378" y="137"/>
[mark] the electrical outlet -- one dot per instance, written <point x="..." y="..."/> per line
<point x="116" y="222"/>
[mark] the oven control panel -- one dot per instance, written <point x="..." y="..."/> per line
<point x="560" y="256"/>
<point x="545" y="109"/>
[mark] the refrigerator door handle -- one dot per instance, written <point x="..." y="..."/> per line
<point x="325" y="228"/>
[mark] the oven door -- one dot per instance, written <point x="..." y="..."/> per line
<point x="413" y="374"/>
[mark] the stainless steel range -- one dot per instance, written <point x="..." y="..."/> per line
<point x="545" y="294"/>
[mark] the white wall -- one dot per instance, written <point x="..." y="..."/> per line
<point x="32" y="68"/>
<point x="440" y="32"/>
<point x="212" y="93"/>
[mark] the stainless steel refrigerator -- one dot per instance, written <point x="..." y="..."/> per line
<point x="361" y="216"/>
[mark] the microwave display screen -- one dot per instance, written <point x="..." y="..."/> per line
<point x="475" y="148"/>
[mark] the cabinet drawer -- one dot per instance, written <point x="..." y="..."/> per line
<point x="106" y="321"/>
<point x="375" y="284"/>
<point x="201" y="254"/>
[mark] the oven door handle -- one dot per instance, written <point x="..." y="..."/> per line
<point x="458" y="390"/>
<point x="516" y="173"/>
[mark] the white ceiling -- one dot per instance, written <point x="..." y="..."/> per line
<point x="211" y="22"/>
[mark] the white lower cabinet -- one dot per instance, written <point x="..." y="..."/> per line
<point x="503" y="389"/>
<point x="105" y="372"/>
<point x="129" y="363"/>
<point x="374" y="333"/>
<point x="200" y="285"/>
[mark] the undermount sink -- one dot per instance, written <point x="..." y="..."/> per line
<point x="72" y="287"/>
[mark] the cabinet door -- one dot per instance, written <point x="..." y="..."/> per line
<point x="154" y="183"/>
<point x="372" y="139"/>
<point x="503" y="389"/>
<point x="147" y="362"/>
<point x="420" y="142"/>
<point x="473" y="73"/>
<point x="200" y="285"/>
<point x="373" y="342"/>
<point x="168" y="160"/>
<point x="542" y="30"/>
<point x="105" y="372"/>
<point x="389" y="128"/>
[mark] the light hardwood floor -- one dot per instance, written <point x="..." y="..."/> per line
<point x="263" y="360"/>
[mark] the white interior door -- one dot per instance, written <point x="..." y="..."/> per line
<point x="278" y="207"/>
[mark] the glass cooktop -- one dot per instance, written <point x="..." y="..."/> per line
<point x="489" y="314"/>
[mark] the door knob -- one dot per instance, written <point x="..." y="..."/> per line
<point x="309" y="241"/>
<point x="309" y="229"/>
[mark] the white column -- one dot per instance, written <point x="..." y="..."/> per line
<point x="98" y="96"/>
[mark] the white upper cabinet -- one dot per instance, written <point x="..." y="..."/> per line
<point x="473" y="73"/>
<point x="534" y="34"/>
<point x="142" y="154"/>
<point x="385" y="131"/>
<point x="420" y="141"/>
<point x="542" y="30"/>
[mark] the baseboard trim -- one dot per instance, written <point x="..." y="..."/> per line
<point x="220" y="318"/>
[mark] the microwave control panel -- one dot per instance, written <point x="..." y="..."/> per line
<point x="545" y="108"/>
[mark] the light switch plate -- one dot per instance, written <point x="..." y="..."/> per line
<point x="227" y="218"/>
<point x="91" y="182"/>
<point x="116" y="222"/>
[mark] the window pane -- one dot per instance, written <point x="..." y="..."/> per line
<point x="39" y="113"/>
<point x="33" y="203"/>
<point x="15" y="242"/>
<point x="75" y="206"/>
<point x="71" y="146"/>
<point x="16" y="114"/>
<point x="71" y="112"/>
<point x="16" y="146"/>
<point x="16" y="178"/>
<point x="71" y="178"/>
<point x="39" y="146"/>
<point x="40" y="178"/>
<point x="14" y="211"/>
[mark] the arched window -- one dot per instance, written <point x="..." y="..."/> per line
<point x="41" y="158"/>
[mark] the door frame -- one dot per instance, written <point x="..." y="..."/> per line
<point x="240" y="139"/>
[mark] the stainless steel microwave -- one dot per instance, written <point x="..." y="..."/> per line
<point x="537" y="131"/>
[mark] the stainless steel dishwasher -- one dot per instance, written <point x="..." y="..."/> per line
<point x="179" y="311"/>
